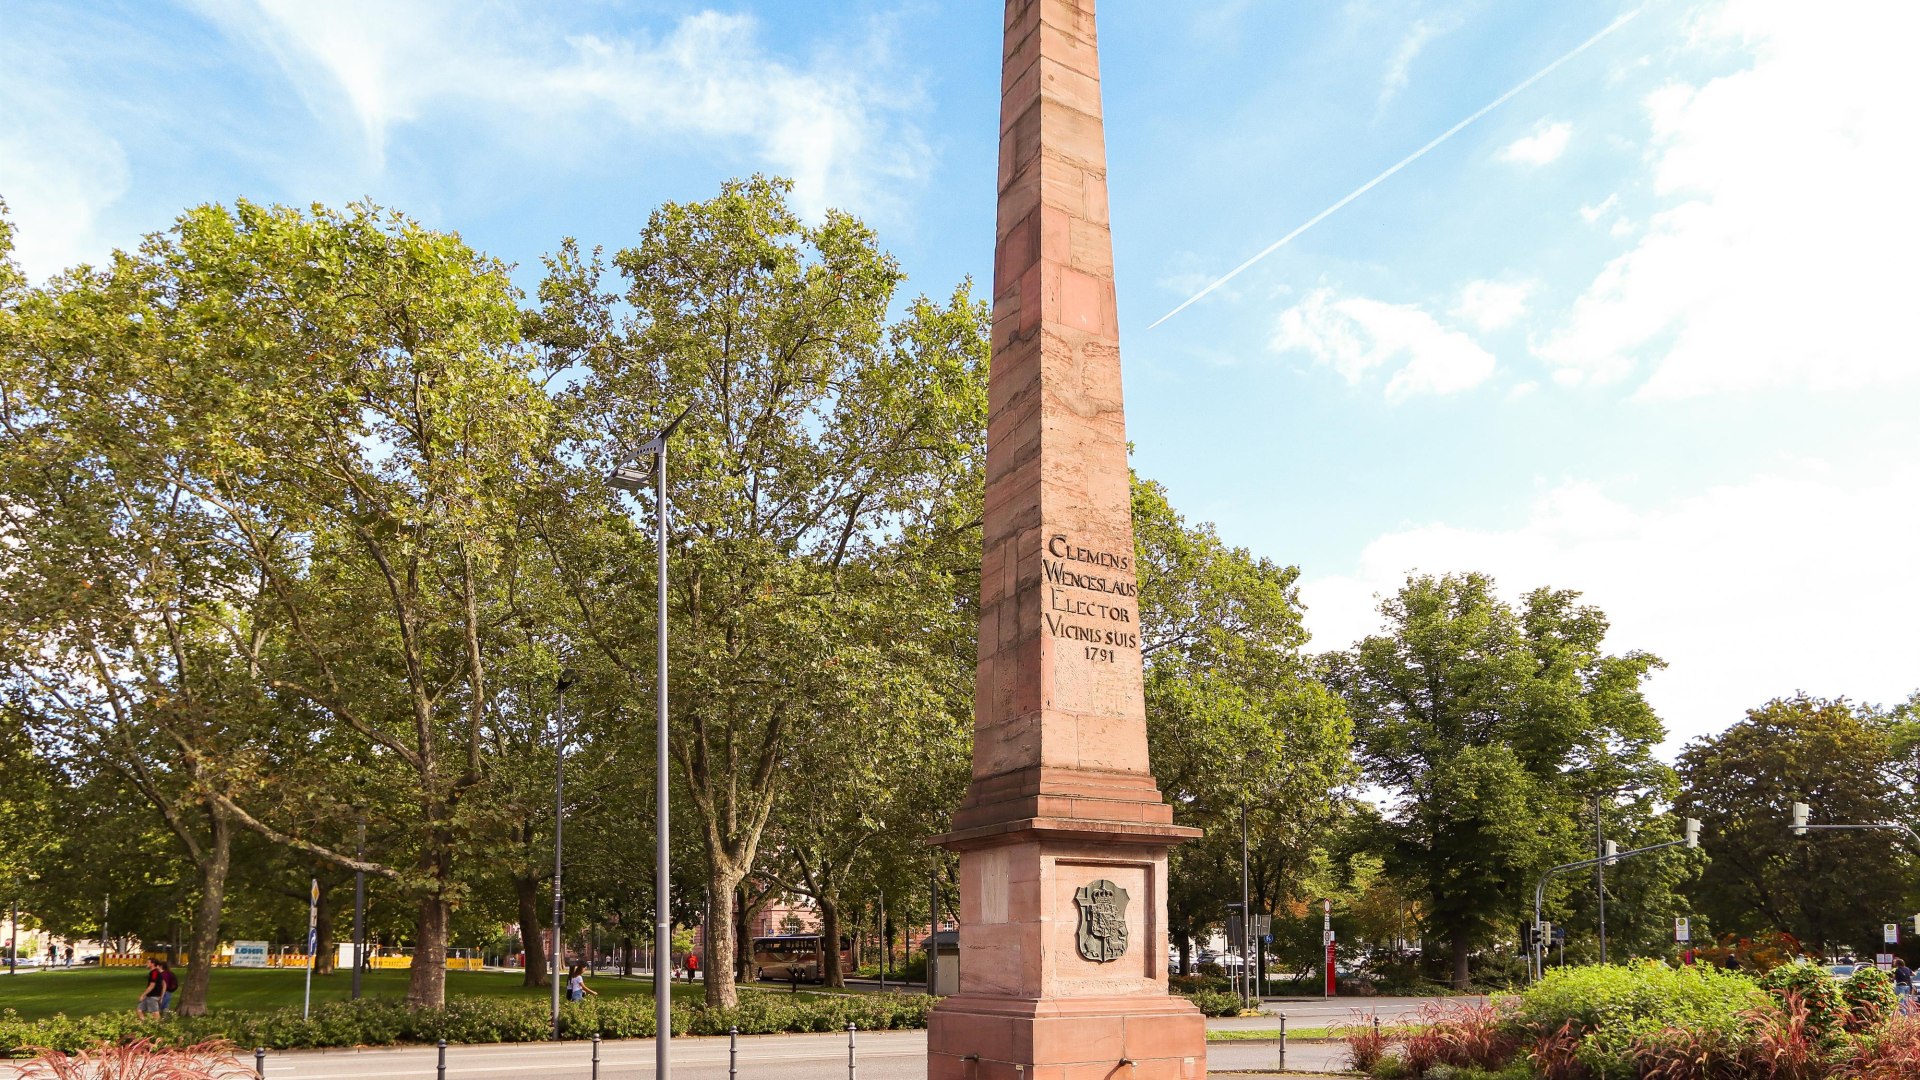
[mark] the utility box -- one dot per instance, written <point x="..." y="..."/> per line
<point x="945" y="948"/>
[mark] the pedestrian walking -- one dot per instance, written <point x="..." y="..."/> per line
<point x="1902" y="977"/>
<point x="69" y="956"/>
<point x="169" y="982"/>
<point x="156" y="986"/>
<point x="693" y="966"/>
<point x="577" y="988"/>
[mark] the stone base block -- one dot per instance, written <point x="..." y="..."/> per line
<point x="1132" y="1037"/>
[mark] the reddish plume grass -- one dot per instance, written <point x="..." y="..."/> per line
<point x="1891" y="1054"/>
<point x="1784" y="1044"/>
<point x="1556" y="1055"/>
<point x="139" y="1059"/>
<point x="1463" y="1036"/>
<point x="1367" y="1042"/>
<point x="1477" y="1036"/>
<point x="1679" y="1053"/>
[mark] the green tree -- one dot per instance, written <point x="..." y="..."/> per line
<point x="1828" y="889"/>
<point x="814" y="433"/>
<point x="1235" y="716"/>
<point x="1488" y="725"/>
<point x="121" y="603"/>
<point x="341" y="402"/>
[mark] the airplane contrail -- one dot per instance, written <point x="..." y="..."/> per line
<point x="1403" y="163"/>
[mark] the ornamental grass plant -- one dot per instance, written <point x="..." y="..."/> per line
<point x="141" y="1059"/>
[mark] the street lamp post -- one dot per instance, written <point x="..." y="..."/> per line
<point x="359" y="902"/>
<point x="559" y="788"/>
<point x="1246" y="916"/>
<point x="633" y="480"/>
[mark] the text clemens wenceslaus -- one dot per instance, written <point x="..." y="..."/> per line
<point x="1073" y="572"/>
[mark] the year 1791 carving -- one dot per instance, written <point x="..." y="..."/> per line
<point x="1102" y="622"/>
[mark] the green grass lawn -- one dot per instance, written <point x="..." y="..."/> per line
<point x="1265" y="1034"/>
<point x="83" y="992"/>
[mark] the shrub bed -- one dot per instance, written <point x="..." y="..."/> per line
<point x="381" y="1021"/>
<point x="1652" y="1022"/>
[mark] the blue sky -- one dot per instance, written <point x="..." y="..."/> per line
<point x="1643" y="331"/>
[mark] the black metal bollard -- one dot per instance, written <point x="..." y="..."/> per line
<point x="596" y="1056"/>
<point x="733" y="1053"/>
<point x="440" y="1072"/>
<point x="1283" y="1042"/>
<point x="260" y="1061"/>
<point x="851" y="1028"/>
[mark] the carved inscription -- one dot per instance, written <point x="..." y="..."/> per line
<point x="1091" y="598"/>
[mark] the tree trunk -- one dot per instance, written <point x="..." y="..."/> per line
<point x="626" y="956"/>
<point x="1186" y="954"/>
<point x="527" y="889"/>
<point x="831" y="973"/>
<point x="722" y="991"/>
<point x="326" y="952"/>
<point x="206" y="915"/>
<point x="1460" y="956"/>
<point x="427" y="982"/>
<point x="743" y="955"/>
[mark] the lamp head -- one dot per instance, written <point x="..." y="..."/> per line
<point x="627" y="478"/>
<point x="1801" y="811"/>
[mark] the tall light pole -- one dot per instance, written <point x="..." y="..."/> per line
<point x="1600" y="872"/>
<point x="359" y="902"/>
<point x="1246" y="915"/>
<point x="633" y="480"/>
<point x="559" y="788"/>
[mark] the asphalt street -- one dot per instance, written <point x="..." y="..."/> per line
<point x="881" y="1055"/>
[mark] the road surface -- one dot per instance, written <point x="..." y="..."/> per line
<point x="882" y="1055"/>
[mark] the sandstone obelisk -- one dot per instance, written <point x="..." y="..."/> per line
<point x="1063" y="835"/>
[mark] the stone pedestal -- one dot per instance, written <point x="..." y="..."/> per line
<point x="1063" y="836"/>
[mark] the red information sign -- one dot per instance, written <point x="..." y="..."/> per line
<point x="1331" y="985"/>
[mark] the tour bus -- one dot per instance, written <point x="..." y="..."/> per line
<point x="789" y="956"/>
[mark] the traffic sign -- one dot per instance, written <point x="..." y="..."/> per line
<point x="1681" y="931"/>
<point x="1890" y="933"/>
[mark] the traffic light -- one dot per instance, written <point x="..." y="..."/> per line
<point x="1693" y="832"/>
<point x="1528" y="935"/>
<point x="1916" y="925"/>
<point x="1800" y="813"/>
<point x="1609" y="850"/>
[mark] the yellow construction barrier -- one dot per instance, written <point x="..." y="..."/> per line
<point x="399" y="963"/>
<point x="464" y="963"/>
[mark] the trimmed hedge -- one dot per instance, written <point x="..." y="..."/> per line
<point x="385" y="1021"/>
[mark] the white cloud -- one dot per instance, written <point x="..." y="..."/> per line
<point x="1400" y="67"/>
<point x="833" y="125"/>
<point x="1542" y="147"/>
<point x="58" y="172"/>
<point x="1749" y="591"/>
<point x="1357" y="336"/>
<point x="1598" y="210"/>
<point x="1783" y="255"/>
<point x="1492" y="305"/>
